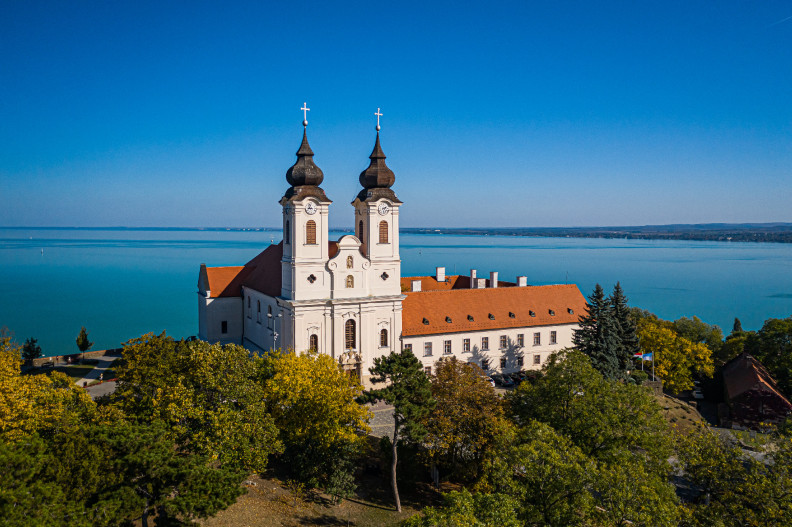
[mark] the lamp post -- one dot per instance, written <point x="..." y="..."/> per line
<point x="274" y="333"/>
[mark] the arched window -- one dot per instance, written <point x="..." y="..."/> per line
<point x="383" y="232"/>
<point x="350" y="262"/>
<point x="360" y="230"/>
<point x="269" y="310"/>
<point x="350" y="282"/>
<point x="310" y="233"/>
<point x="258" y="311"/>
<point x="313" y="343"/>
<point x="383" y="338"/>
<point x="349" y="335"/>
<point x="286" y="233"/>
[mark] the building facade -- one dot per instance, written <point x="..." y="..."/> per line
<point x="347" y="297"/>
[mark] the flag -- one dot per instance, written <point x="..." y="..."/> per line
<point x="647" y="356"/>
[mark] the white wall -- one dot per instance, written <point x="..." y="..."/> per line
<point x="511" y="353"/>
<point x="212" y="312"/>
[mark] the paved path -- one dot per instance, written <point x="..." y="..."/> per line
<point x="102" y="364"/>
<point x="382" y="421"/>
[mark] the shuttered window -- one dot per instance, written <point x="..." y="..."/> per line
<point x="310" y="232"/>
<point x="349" y="334"/>
<point x="383" y="232"/>
<point x="383" y="338"/>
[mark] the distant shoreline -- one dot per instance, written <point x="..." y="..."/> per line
<point x="721" y="232"/>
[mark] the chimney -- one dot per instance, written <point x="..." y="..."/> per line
<point x="481" y="283"/>
<point x="472" y="278"/>
<point x="522" y="281"/>
<point x="416" y="286"/>
<point x="493" y="278"/>
<point x="441" y="274"/>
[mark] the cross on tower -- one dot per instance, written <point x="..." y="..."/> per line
<point x="378" y="114"/>
<point x="305" y="111"/>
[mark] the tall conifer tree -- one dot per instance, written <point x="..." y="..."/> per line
<point x="598" y="335"/>
<point x="625" y="327"/>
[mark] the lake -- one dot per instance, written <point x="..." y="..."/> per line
<point x="121" y="283"/>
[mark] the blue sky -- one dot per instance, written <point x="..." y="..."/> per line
<point x="548" y="113"/>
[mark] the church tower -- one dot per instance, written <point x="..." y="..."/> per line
<point x="305" y="229"/>
<point x="377" y="222"/>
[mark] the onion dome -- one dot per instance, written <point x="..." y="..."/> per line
<point x="377" y="178"/>
<point x="304" y="176"/>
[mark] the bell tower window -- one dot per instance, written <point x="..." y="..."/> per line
<point x="310" y="233"/>
<point x="286" y="233"/>
<point x="349" y="334"/>
<point x="360" y="230"/>
<point x="383" y="232"/>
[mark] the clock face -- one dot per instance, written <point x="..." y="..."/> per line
<point x="383" y="209"/>
<point x="310" y="207"/>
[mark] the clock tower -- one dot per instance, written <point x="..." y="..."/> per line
<point x="305" y="230"/>
<point x="377" y="222"/>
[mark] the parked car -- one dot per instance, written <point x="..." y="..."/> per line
<point x="491" y="381"/>
<point x="697" y="393"/>
<point x="498" y="378"/>
<point x="506" y="381"/>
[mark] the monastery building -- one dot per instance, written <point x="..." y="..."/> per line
<point x="347" y="297"/>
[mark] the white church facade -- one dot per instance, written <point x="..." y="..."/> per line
<point x="347" y="297"/>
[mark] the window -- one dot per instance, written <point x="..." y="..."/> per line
<point x="520" y="361"/>
<point x="428" y="370"/>
<point x="503" y="362"/>
<point x="484" y="343"/>
<point x="537" y="339"/>
<point x="249" y="315"/>
<point x="269" y="311"/>
<point x="537" y="359"/>
<point x="350" y="262"/>
<point x="503" y="342"/>
<point x="383" y="338"/>
<point x="224" y="327"/>
<point x="383" y="232"/>
<point x="427" y="349"/>
<point x="258" y="311"/>
<point x="286" y="233"/>
<point x="350" y="282"/>
<point x="466" y="345"/>
<point x="446" y="347"/>
<point x="485" y="364"/>
<point x="349" y="334"/>
<point x="553" y="337"/>
<point x="520" y="339"/>
<point x="408" y="347"/>
<point x="310" y="233"/>
<point x="313" y="343"/>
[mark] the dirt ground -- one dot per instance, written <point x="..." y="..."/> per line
<point x="683" y="416"/>
<point x="268" y="502"/>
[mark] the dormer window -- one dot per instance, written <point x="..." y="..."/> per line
<point x="570" y="311"/>
<point x="425" y="321"/>
<point x="470" y="318"/>
<point x="532" y="313"/>
<point x="511" y="315"/>
<point x="491" y="316"/>
<point x="448" y="319"/>
<point x="552" y="313"/>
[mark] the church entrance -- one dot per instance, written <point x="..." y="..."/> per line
<point x="351" y="364"/>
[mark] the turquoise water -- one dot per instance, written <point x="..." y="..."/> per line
<point x="123" y="283"/>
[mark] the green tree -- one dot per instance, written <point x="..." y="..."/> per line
<point x="625" y="328"/>
<point x="605" y="419"/>
<point x="463" y="509"/>
<point x="320" y="423"/>
<point x="699" y="332"/>
<point x="598" y="335"/>
<point x="409" y="391"/>
<point x="737" y="327"/>
<point x="772" y="345"/>
<point x="83" y="344"/>
<point x="466" y="419"/>
<point x="209" y="396"/>
<point x="31" y="350"/>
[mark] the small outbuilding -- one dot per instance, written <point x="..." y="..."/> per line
<point x="752" y="394"/>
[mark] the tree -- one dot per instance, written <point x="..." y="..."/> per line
<point x="466" y="418"/>
<point x="606" y="419"/>
<point x="83" y="344"/>
<point x="31" y="350"/>
<point x="463" y="509"/>
<point x="598" y="335"/>
<point x="675" y="358"/>
<point x="320" y="424"/>
<point x="699" y="332"/>
<point x="772" y="345"/>
<point x="409" y="391"/>
<point x="209" y="396"/>
<point x="625" y="327"/>
<point x="737" y="327"/>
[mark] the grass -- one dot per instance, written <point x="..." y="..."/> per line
<point x="77" y="371"/>
<point x="751" y="439"/>
<point x="681" y="415"/>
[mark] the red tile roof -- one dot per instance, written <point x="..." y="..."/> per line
<point x="430" y="283"/>
<point x="425" y="312"/>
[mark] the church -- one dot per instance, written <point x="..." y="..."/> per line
<point x="347" y="297"/>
